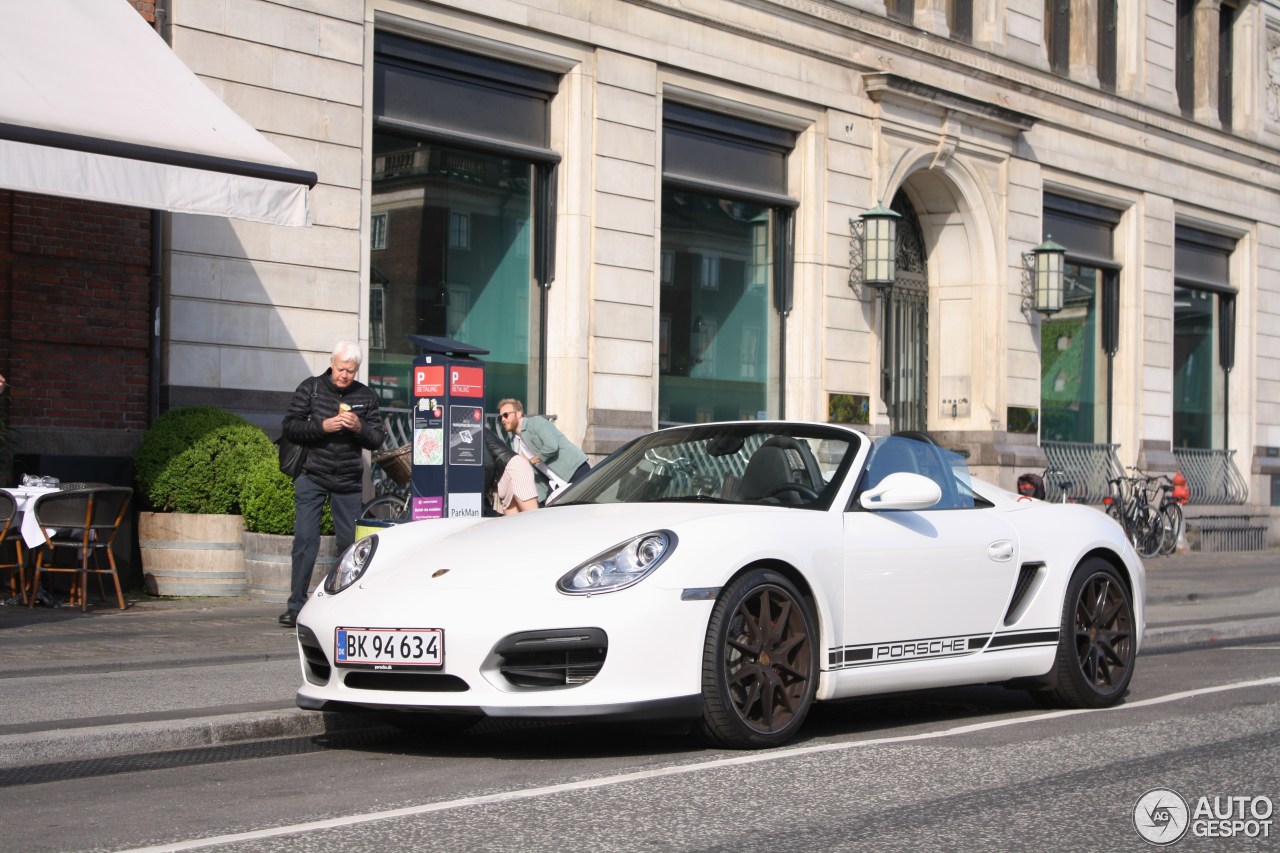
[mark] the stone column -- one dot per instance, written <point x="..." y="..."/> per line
<point x="1083" y="66"/>
<point x="1207" y="18"/>
<point x="931" y="16"/>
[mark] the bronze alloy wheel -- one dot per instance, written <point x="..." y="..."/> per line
<point x="760" y="664"/>
<point x="1096" y="651"/>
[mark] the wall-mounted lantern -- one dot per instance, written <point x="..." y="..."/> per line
<point x="1042" y="278"/>
<point x="873" y="248"/>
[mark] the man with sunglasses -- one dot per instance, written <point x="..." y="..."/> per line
<point x="556" y="460"/>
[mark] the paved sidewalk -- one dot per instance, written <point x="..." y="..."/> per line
<point x="169" y="674"/>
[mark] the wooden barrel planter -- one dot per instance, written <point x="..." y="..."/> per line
<point x="191" y="554"/>
<point x="268" y="560"/>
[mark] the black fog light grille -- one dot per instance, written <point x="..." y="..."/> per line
<point x="317" y="669"/>
<point x="559" y="658"/>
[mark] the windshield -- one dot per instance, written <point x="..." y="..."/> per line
<point x="763" y="462"/>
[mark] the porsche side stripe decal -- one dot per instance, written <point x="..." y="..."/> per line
<point x="933" y="648"/>
<point x="1024" y="638"/>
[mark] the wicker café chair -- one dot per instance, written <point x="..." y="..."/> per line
<point x="80" y="526"/>
<point x="11" y="534"/>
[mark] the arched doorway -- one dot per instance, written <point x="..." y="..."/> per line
<point x="904" y="360"/>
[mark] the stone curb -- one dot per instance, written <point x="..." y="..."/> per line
<point x="92" y="742"/>
<point x="1165" y="636"/>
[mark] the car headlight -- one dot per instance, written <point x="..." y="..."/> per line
<point x="620" y="566"/>
<point x="352" y="565"/>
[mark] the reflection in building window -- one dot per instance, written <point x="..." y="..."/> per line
<point x="710" y="308"/>
<point x="457" y="257"/>
<point x="377" y="316"/>
<point x="1072" y="362"/>
<point x="459" y="230"/>
<point x="710" y="278"/>
<point x="463" y="174"/>
<point x="1203" y="337"/>
<point x="1078" y="344"/>
<point x="758" y="269"/>
<point x="378" y="231"/>
<point x="901" y="10"/>
<point x="1197" y="381"/>
<point x="727" y="244"/>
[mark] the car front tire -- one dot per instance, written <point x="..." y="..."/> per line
<point x="1097" y="645"/>
<point x="759" y="664"/>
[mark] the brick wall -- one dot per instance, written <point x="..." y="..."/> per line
<point x="74" y="321"/>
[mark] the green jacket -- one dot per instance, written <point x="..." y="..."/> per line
<point x="550" y="445"/>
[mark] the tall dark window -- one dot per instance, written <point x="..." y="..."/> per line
<point x="1108" y="57"/>
<point x="1226" y="59"/>
<point x="462" y="186"/>
<point x="1057" y="34"/>
<point x="960" y="20"/>
<point x="1203" y="337"/>
<point x="1078" y="344"/>
<point x="1185" y="56"/>
<point x="901" y="10"/>
<point x="725" y="274"/>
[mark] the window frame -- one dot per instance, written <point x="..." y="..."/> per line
<point x="467" y="100"/>
<point x="736" y="159"/>
<point x="1202" y="262"/>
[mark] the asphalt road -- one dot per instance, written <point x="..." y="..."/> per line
<point x="969" y="769"/>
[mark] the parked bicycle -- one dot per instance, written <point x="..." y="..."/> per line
<point x="392" y="505"/>
<point x="1172" y="521"/>
<point x="1146" y="506"/>
<point x="389" y="507"/>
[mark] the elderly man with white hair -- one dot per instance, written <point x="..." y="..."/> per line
<point x="335" y="418"/>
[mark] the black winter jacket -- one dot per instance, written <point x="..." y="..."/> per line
<point x="333" y="458"/>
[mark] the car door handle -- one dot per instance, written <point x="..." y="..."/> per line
<point x="1001" y="551"/>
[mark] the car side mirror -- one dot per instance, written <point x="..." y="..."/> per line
<point x="902" y="491"/>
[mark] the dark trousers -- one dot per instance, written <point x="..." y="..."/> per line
<point x="583" y="470"/>
<point x="308" y="508"/>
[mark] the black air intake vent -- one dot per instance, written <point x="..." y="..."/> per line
<point x="1028" y="577"/>
<point x="559" y="658"/>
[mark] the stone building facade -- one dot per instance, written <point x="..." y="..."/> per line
<point x="645" y="211"/>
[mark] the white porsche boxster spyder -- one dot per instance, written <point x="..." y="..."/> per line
<point x="732" y="574"/>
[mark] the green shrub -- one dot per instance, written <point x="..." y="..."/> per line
<point x="208" y="477"/>
<point x="174" y="432"/>
<point x="267" y="501"/>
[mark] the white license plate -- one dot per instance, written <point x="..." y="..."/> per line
<point x="392" y="646"/>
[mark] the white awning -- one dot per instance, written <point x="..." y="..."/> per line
<point x="94" y="105"/>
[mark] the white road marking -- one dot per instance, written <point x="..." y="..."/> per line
<point x="659" y="773"/>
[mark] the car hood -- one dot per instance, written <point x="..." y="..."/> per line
<point x="531" y="549"/>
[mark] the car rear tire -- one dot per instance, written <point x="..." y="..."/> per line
<point x="759" y="663"/>
<point x="1097" y="645"/>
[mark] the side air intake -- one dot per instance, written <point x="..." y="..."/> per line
<point x="1029" y="578"/>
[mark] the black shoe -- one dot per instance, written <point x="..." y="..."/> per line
<point x="289" y="619"/>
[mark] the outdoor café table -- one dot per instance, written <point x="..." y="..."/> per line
<point x="25" y="496"/>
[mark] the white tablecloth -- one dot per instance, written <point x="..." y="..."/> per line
<point x="26" y="498"/>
